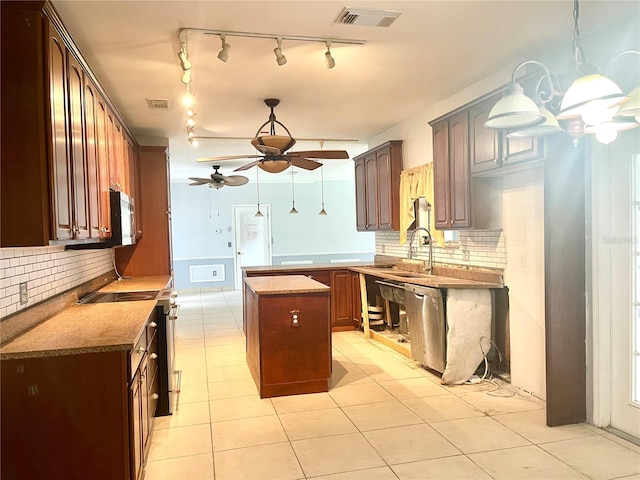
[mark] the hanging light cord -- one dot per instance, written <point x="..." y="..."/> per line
<point x="578" y="52"/>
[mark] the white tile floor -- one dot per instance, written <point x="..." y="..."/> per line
<point x="383" y="418"/>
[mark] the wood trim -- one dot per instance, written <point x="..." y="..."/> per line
<point x="565" y="281"/>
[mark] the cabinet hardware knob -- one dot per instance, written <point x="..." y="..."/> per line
<point x="153" y="324"/>
<point x="155" y="396"/>
<point x="141" y="349"/>
<point x="154" y="356"/>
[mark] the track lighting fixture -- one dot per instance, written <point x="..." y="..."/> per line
<point x="328" y="59"/>
<point x="223" y="54"/>
<point x="280" y="58"/>
<point x="185" y="64"/>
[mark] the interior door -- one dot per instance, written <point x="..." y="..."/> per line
<point x="252" y="238"/>
<point x="616" y="284"/>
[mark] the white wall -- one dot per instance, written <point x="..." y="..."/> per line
<point x="201" y="235"/>
<point x="523" y="217"/>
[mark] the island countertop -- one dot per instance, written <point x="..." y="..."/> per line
<point x="284" y="284"/>
<point x="85" y="328"/>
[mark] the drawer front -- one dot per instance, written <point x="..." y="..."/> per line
<point x="139" y="349"/>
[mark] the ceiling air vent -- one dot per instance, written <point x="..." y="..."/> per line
<point x="366" y="17"/>
<point x="158" y="103"/>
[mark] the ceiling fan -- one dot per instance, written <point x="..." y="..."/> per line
<point x="218" y="180"/>
<point x="273" y="148"/>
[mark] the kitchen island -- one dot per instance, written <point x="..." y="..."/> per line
<point x="288" y="334"/>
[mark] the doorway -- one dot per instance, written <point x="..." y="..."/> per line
<point x="616" y="287"/>
<point x="252" y="237"/>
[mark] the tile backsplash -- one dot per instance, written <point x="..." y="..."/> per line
<point x="478" y="248"/>
<point x="47" y="271"/>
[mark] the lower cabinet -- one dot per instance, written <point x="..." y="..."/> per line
<point x="345" y="292"/>
<point x="77" y="416"/>
<point x="356" y="299"/>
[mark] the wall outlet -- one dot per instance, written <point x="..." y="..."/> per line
<point x="465" y="255"/>
<point x="24" y="293"/>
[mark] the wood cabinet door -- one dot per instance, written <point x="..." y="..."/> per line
<point x="341" y="299"/>
<point x="441" y="190"/>
<point x="76" y="139"/>
<point x="459" y="171"/>
<point x="371" y="181"/>
<point x="384" y="195"/>
<point x="102" y="149"/>
<point x="356" y="300"/>
<point x="484" y="143"/>
<point x="523" y="149"/>
<point x="91" y="155"/>
<point x="361" y="195"/>
<point x="135" y="411"/>
<point x="60" y="162"/>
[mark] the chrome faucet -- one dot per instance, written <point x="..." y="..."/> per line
<point x="429" y="267"/>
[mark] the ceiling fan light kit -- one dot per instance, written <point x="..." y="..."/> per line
<point x="275" y="156"/>
<point x="593" y="101"/>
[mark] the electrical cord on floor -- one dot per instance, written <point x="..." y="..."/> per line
<point x="487" y="377"/>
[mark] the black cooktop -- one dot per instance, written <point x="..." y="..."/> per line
<point x="105" y="297"/>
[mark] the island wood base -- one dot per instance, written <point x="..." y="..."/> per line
<point x="288" y="335"/>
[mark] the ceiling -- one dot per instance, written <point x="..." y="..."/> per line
<point x="433" y="50"/>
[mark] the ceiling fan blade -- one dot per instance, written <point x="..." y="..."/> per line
<point x="230" y="157"/>
<point x="267" y="150"/>
<point x="235" y="180"/>
<point x="323" y="154"/>
<point x="199" y="181"/>
<point x="248" y="165"/>
<point x="303" y="163"/>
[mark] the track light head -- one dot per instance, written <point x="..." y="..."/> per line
<point x="328" y="59"/>
<point x="223" y="55"/>
<point x="280" y="58"/>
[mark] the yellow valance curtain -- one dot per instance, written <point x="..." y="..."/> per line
<point x="417" y="183"/>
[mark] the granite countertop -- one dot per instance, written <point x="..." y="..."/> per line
<point x="139" y="284"/>
<point x="306" y="267"/>
<point x="435" y="281"/>
<point x="285" y="284"/>
<point x="85" y="328"/>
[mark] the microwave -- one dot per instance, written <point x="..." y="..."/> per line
<point x="123" y="225"/>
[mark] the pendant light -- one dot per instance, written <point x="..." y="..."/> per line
<point x="323" y="211"/>
<point x="591" y="96"/>
<point x="293" y="194"/>
<point x="258" y="213"/>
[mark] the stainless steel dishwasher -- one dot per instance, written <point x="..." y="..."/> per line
<point x="427" y="326"/>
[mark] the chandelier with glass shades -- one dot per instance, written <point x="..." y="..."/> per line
<point x="593" y="104"/>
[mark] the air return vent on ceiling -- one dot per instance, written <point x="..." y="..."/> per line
<point x="158" y="103"/>
<point x="367" y="17"/>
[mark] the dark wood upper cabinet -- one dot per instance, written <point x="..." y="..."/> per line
<point x="460" y="201"/>
<point x="484" y="143"/>
<point x="361" y="195"/>
<point x="378" y="187"/>
<point x="55" y="135"/>
<point x="451" y="172"/>
<point x="60" y="161"/>
<point x="76" y="147"/>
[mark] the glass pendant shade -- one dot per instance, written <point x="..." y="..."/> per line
<point x="607" y="132"/>
<point x="549" y="127"/>
<point x="590" y="93"/>
<point x="514" y="111"/>
<point x="631" y="106"/>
